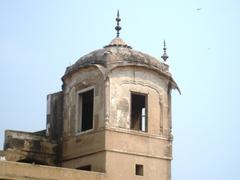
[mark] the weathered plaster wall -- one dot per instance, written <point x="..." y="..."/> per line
<point x="121" y="166"/>
<point x="29" y="147"/>
<point x="112" y="131"/>
<point x="21" y="171"/>
<point x="83" y="148"/>
<point x="125" y="149"/>
<point x="125" y="80"/>
<point x="97" y="161"/>
<point x="54" y="116"/>
<point x="83" y="78"/>
<point x="139" y="143"/>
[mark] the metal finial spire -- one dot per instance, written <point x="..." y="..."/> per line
<point x="118" y="28"/>
<point x="164" y="56"/>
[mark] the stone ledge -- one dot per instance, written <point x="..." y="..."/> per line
<point x="22" y="171"/>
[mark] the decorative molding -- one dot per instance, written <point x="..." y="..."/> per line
<point x="139" y="154"/>
<point x="138" y="133"/>
<point x="107" y="101"/>
<point x="160" y="95"/>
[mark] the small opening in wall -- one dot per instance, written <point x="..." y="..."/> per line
<point x="85" y="168"/>
<point x="138" y="112"/>
<point x="85" y="110"/>
<point x="139" y="170"/>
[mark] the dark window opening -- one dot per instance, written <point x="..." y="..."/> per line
<point x="85" y="168"/>
<point x="138" y="112"/>
<point x="86" y="111"/>
<point x="139" y="170"/>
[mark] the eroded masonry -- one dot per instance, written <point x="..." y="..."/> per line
<point x="112" y="116"/>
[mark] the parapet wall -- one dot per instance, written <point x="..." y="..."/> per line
<point x="23" y="171"/>
<point x="32" y="147"/>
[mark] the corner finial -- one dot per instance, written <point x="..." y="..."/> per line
<point x="118" y="27"/>
<point x="164" y="56"/>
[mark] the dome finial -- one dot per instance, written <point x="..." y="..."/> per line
<point x="164" y="56"/>
<point x="118" y="28"/>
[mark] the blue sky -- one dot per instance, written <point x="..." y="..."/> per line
<point x="38" y="39"/>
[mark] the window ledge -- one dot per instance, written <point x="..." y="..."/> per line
<point x="84" y="132"/>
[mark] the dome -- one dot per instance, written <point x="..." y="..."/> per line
<point x="118" y="53"/>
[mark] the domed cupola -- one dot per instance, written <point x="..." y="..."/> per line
<point x="119" y="53"/>
<point x="117" y="112"/>
<point x="112" y="116"/>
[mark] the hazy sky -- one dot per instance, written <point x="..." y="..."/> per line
<point x="39" y="38"/>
